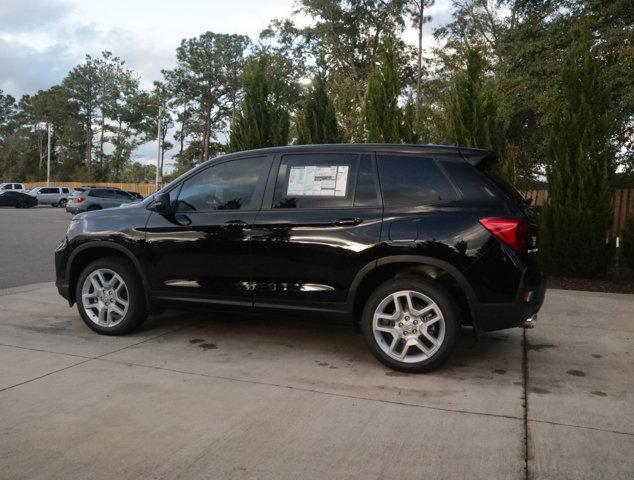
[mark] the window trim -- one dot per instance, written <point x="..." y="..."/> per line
<point x="258" y="191"/>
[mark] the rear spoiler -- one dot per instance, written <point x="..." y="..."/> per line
<point x="478" y="157"/>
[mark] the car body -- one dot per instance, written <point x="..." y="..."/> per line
<point x="54" y="196"/>
<point x="12" y="186"/>
<point x="86" y="199"/>
<point x="17" y="199"/>
<point x="403" y="239"/>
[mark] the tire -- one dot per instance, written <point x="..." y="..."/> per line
<point x="396" y="344"/>
<point x="92" y="208"/>
<point x="118" y="319"/>
<point x="62" y="203"/>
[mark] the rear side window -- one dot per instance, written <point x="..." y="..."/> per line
<point x="367" y="192"/>
<point x="101" y="193"/>
<point x="319" y="180"/>
<point x="412" y="180"/>
<point x="64" y="190"/>
<point x="472" y="184"/>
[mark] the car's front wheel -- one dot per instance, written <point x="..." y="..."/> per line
<point x="410" y="324"/>
<point x="110" y="297"/>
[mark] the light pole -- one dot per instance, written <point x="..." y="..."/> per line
<point x="48" y="156"/>
<point x="158" y="154"/>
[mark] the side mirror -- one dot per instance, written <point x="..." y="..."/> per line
<point x="161" y="203"/>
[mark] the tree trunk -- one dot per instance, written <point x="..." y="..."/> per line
<point x="101" y="136"/>
<point x="206" y="135"/>
<point x="420" y="62"/>
<point x="88" y="139"/>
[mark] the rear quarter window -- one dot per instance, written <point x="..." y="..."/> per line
<point x="409" y="180"/>
<point x="472" y="184"/>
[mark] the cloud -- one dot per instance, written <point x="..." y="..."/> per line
<point x="30" y="15"/>
<point x="25" y="69"/>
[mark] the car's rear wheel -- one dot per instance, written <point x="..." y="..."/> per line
<point x="410" y="324"/>
<point x="110" y="297"/>
<point x="93" y="208"/>
<point x="62" y="203"/>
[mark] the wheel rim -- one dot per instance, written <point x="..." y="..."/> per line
<point x="408" y="326"/>
<point x="105" y="297"/>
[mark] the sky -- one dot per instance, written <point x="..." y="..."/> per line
<point x="42" y="40"/>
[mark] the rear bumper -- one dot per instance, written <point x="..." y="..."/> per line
<point x="529" y="300"/>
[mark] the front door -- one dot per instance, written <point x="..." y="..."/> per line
<point x="200" y="251"/>
<point x="319" y="224"/>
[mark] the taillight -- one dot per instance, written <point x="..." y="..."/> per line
<point x="512" y="231"/>
<point x="80" y="199"/>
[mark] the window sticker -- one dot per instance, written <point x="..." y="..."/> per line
<point x="314" y="181"/>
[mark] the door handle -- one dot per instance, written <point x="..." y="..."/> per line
<point x="235" y="225"/>
<point x="347" y="222"/>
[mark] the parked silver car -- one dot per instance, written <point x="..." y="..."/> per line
<point x="96" y="198"/>
<point x="55" y="196"/>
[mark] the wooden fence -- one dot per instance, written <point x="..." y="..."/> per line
<point x="144" y="189"/>
<point x="623" y="205"/>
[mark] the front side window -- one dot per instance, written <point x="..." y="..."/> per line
<point x="412" y="180"/>
<point x="316" y="181"/>
<point x="226" y="186"/>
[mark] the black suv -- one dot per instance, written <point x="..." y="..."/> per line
<point x="411" y="241"/>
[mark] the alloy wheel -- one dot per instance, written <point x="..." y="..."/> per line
<point x="105" y="297"/>
<point x="408" y="326"/>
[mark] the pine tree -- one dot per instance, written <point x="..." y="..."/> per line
<point x="383" y="115"/>
<point x="317" y="122"/>
<point x="578" y="213"/>
<point x="263" y="119"/>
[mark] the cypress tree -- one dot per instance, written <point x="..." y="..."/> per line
<point x="474" y="113"/>
<point x="382" y="113"/>
<point x="578" y="213"/>
<point x="317" y="122"/>
<point x="262" y="120"/>
<point x="409" y="125"/>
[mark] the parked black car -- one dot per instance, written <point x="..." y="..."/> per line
<point x="410" y="241"/>
<point x="13" y="198"/>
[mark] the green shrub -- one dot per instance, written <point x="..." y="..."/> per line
<point x="578" y="214"/>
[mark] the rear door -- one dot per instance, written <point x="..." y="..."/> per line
<point x="320" y="220"/>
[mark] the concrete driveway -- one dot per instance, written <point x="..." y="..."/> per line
<point x="195" y="396"/>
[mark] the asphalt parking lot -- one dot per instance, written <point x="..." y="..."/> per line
<point x="27" y="240"/>
<point x="211" y="396"/>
